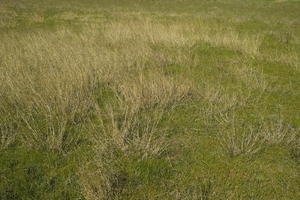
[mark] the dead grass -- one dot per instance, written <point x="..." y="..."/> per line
<point x="153" y="90"/>
<point x="247" y="44"/>
<point x="52" y="78"/>
<point x="237" y="143"/>
<point x="182" y="35"/>
<point x="237" y="139"/>
<point x="251" y="78"/>
<point x="52" y="82"/>
<point x="7" y="135"/>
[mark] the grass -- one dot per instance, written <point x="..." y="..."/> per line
<point x="149" y="100"/>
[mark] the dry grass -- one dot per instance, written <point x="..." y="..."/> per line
<point x="237" y="139"/>
<point x="279" y="132"/>
<point x="295" y="148"/>
<point x="183" y="35"/>
<point x="51" y="82"/>
<point x="7" y="135"/>
<point x="171" y="35"/>
<point x="50" y="93"/>
<point x="291" y="59"/>
<point x="237" y="143"/>
<point x="251" y="78"/>
<point x="153" y="90"/>
<point x="230" y="39"/>
<point x="51" y="79"/>
<point x="133" y="132"/>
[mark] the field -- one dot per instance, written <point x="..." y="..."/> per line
<point x="150" y="99"/>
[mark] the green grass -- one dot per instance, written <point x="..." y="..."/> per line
<point x="160" y="99"/>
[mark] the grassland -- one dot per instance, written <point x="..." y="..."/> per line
<point x="150" y="100"/>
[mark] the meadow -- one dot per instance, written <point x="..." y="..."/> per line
<point x="150" y="99"/>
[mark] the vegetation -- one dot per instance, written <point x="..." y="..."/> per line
<point x="150" y="100"/>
